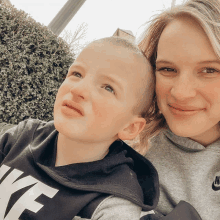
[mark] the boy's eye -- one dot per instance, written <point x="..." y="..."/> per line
<point x="77" y="74"/>
<point x="109" y="88"/>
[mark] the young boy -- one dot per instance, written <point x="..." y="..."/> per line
<point x="76" y="165"/>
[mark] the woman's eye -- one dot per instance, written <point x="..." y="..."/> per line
<point x="210" y="71"/>
<point x="77" y="74"/>
<point x="109" y="88"/>
<point x="165" y="69"/>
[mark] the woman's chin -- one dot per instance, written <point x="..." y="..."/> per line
<point x="183" y="129"/>
<point x="180" y="131"/>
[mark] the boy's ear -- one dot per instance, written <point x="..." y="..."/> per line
<point x="133" y="129"/>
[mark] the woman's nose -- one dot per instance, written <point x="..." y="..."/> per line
<point x="81" y="90"/>
<point x="184" y="87"/>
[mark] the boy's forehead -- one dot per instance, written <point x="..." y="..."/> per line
<point x="108" y="49"/>
<point x="98" y="53"/>
<point x="136" y="64"/>
<point x="115" y="54"/>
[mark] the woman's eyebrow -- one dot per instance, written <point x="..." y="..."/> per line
<point x="202" y="62"/>
<point x="163" y="62"/>
<point x="210" y="61"/>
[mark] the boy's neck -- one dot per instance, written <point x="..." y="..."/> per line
<point x="70" y="151"/>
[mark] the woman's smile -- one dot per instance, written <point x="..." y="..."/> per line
<point x="183" y="112"/>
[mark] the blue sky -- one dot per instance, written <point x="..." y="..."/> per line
<point x="102" y="16"/>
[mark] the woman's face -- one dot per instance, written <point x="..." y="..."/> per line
<point x="188" y="81"/>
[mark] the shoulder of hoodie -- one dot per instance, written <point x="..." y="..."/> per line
<point x="112" y="208"/>
<point x="31" y="126"/>
<point x="158" y="144"/>
<point x="23" y="129"/>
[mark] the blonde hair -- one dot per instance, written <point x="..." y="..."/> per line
<point x="207" y="14"/>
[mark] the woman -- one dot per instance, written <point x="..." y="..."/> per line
<point x="183" y="46"/>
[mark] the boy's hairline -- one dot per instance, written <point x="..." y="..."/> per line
<point x="119" y="41"/>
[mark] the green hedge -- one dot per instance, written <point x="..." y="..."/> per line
<point x="33" y="64"/>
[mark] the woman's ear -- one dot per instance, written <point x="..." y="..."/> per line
<point x="133" y="129"/>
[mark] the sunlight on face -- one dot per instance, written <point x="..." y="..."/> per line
<point x="101" y="83"/>
<point x="188" y="81"/>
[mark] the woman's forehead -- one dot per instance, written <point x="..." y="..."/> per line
<point x="185" y="24"/>
<point x="183" y="40"/>
<point x="183" y="30"/>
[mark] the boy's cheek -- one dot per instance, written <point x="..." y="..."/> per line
<point x="98" y="110"/>
<point x="58" y="101"/>
<point x="102" y="111"/>
<point x="64" y="89"/>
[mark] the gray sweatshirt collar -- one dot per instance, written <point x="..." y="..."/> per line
<point x="186" y="143"/>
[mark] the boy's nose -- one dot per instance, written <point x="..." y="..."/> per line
<point x="80" y="91"/>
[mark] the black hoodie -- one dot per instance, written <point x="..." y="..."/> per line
<point x="33" y="188"/>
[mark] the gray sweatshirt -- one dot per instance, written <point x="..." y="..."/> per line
<point x="187" y="171"/>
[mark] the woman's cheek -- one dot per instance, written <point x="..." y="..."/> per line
<point x="212" y="91"/>
<point x="161" y="88"/>
<point x="162" y="93"/>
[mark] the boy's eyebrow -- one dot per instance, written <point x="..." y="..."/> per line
<point x="111" y="79"/>
<point x="78" y="65"/>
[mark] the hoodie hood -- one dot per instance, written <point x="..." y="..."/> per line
<point x="123" y="172"/>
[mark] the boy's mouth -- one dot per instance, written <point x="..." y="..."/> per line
<point x="73" y="105"/>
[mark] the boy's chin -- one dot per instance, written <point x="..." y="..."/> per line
<point x="59" y="125"/>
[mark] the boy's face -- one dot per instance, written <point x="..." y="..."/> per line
<point x="97" y="97"/>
